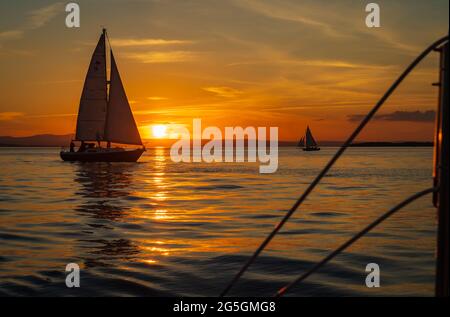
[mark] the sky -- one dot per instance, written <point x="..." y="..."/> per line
<point x="272" y="63"/>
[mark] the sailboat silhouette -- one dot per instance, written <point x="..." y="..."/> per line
<point x="307" y="142"/>
<point x="104" y="115"/>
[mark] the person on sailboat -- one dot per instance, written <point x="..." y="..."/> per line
<point x="72" y="146"/>
<point x="82" y="147"/>
<point x="98" y="139"/>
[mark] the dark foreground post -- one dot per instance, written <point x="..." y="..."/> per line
<point x="441" y="178"/>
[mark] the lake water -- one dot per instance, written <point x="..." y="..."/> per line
<point x="158" y="228"/>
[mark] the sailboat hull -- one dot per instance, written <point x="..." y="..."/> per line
<point x="103" y="156"/>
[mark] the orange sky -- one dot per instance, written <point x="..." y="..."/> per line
<point x="231" y="63"/>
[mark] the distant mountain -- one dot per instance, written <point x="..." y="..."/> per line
<point x="393" y="144"/>
<point x="322" y="143"/>
<point x="64" y="140"/>
<point x="37" y="140"/>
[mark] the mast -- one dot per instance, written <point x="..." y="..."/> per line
<point x="106" y="88"/>
<point x="108" y="85"/>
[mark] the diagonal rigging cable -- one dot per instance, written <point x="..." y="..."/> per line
<point x="344" y="246"/>
<point x="327" y="167"/>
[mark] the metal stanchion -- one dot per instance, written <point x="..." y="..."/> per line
<point x="441" y="177"/>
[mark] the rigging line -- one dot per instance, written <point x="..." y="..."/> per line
<point x="327" y="167"/>
<point x="356" y="237"/>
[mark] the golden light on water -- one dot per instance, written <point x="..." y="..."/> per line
<point x="161" y="214"/>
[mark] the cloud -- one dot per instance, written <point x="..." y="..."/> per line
<point x="331" y="23"/>
<point x="15" y="52"/>
<point x="39" y="17"/>
<point x="391" y="40"/>
<point x="341" y="64"/>
<point x="156" y="98"/>
<point x="289" y="12"/>
<point x="8" y="116"/>
<point x="163" y="57"/>
<point x="7" y="36"/>
<point x="226" y="92"/>
<point x="53" y="115"/>
<point x="11" y="35"/>
<point x="147" y="42"/>
<point x="411" y="116"/>
<point x="313" y="63"/>
<point x="35" y="19"/>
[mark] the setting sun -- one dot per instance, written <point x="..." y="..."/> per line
<point x="159" y="131"/>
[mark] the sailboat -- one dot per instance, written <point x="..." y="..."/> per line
<point x="104" y="115"/>
<point x="307" y="142"/>
<point x="301" y="143"/>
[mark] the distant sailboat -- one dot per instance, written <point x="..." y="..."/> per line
<point x="307" y="142"/>
<point x="301" y="143"/>
<point x="104" y="115"/>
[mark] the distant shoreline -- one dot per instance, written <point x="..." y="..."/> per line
<point x="281" y="144"/>
<point x="51" y="140"/>
<point x="393" y="144"/>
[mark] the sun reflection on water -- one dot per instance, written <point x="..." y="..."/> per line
<point x="173" y="218"/>
<point x="158" y="190"/>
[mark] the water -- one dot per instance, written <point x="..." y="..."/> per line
<point x="156" y="228"/>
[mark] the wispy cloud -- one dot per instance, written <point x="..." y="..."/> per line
<point x="313" y="63"/>
<point x="411" y="116"/>
<point x="226" y="92"/>
<point x="15" y="52"/>
<point x="57" y="82"/>
<point x="8" y="116"/>
<point x="53" y="115"/>
<point x="147" y="42"/>
<point x="39" y="17"/>
<point x="11" y="35"/>
<point x="291" y="12"/>
<point x="163" y="57"/>
<point x="157" y="98"/>
<point x="340" y="64"/>
<point x="8" y="36"/>
<point x="328" y="22"/>
<point x="35" y="19"/>
<point x="391" y="40"/>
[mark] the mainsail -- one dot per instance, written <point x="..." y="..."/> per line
<point x="93" y="102"/>
<point x="120" y="124"/>
<point x="309" y="139"/>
